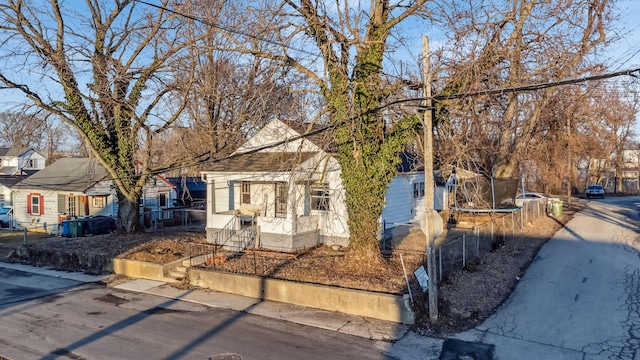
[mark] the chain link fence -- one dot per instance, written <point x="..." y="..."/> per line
<point x="468" y="237"/>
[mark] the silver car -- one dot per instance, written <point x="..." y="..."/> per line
<point x="6" y="215"/>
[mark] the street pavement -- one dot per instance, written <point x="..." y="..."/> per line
<point x="578" y="300"/>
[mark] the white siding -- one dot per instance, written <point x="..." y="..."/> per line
<point x="274" y="132"/>
<point x="48" y="221"/>
<point x="6" y="196"/>
<point x="400" y="205"/>
<point x="30" y="160"/>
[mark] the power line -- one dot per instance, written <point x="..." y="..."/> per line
<point x="229" y="30"/>
<point x="539" y="86"/>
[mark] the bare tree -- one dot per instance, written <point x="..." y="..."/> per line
<point x="341" y="48"/>
<point x="37" y="130"/>
<point x="505" y="43"/>
<point x="106" y="71"/>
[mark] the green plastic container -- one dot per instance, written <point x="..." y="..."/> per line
<point x="556" y="208"/>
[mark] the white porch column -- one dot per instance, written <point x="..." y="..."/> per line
<point x="291" y="205"/>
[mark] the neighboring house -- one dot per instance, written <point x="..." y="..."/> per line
<point x="76" y="187"/>
<point x="21" y="161"/>
<point x="290" y="194"/>
<point x="405" y="200"/>
<point x="6" y="184"/>
<point x="191" y="191"/>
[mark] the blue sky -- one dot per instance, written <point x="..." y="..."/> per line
<point x="623" y="55"/>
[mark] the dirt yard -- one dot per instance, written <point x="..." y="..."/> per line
<point x="466" y="296"/>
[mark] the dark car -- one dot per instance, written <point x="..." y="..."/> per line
<point x="595" y="190"/>
<point x="98" y="225"/>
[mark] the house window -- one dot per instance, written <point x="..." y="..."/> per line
<point x="245" y="192"/>
<point x="281" y="200"/>
<point x="35" y="204"/>
<point x="418" y="190"/>
<point x="162" y="199"/>
<point x="32" y="163"/>
<point x="320" y="197"/>
<point x="2" y="200"/>
<point x="98" y="201"/>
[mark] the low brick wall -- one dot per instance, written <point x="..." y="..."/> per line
<point x="144" y="270"/>
<point x="356" y="302"/>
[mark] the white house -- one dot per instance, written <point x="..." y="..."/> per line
<point x="21" y="161"/>
<point x="289" y="196"/>
<point x="6" y="184"/>
<point x="76" y="187"/>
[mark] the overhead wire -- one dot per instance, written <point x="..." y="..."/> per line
<point x="229" y="30"/>
<point x="520" y="88"/>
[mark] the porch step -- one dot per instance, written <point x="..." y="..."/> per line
<point x="182" y="269"/>
<point x="178" y="275"/>
<point x="172" y="279"/>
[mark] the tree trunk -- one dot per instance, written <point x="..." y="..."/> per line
<point x="128" y="216"/>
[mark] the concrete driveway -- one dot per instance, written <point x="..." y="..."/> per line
<point x="580" y="299"/>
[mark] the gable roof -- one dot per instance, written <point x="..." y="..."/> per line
<point x="261" y="162"/>
<point x="16" y="151"/>
<point x="66" y="174"/>
<point x="10" y="180"/>
<point x="322" y="138"/>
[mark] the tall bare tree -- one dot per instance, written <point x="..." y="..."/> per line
<point x="105" y="69"/>
<point x="505" y="43"/>
<point x="341" y="47"/>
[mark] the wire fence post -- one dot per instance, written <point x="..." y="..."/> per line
<point x="440" y="260"/>
<point x="464" y="253"/>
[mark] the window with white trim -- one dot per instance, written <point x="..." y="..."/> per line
<point x="319" y="197"/>
<point x="245" y="192"/>
<point x="98" y="201"/>
<point x="35" y="204"/>
<point x="418" y="190"/>
<point x="163" y="199"/>
<point x="72" y="208"/>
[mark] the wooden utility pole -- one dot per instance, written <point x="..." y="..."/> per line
<point x="428" y="184"/>
<point x="569" y="169"/>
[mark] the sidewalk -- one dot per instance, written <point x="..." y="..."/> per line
<point x="348" y="324"/>
<point x="393" y="339"/>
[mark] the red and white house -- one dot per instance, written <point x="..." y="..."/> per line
<point x="76" y="187"/>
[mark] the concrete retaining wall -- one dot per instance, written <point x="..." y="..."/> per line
<point x="356" y="302"/>
<point x="144" y="270"/>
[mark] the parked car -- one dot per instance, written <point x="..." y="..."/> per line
<point x="98" y="225"/>
<point x="5" y="217"/>
<point x="594" y="191"/>
<point x="534" y="196"/>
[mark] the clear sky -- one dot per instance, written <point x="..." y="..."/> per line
<point x="625" y="54"/>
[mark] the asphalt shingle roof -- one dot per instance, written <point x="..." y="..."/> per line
<point x="67" y="174"/>
<point x="261" y="162"/>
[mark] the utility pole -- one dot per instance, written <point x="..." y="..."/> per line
<point x="569" y="170"/>
<point x="428" y="184"/>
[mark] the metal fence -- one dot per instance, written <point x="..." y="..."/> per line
<point x="466" y="240"/>
<point x="462" y="247"/>
<point x="164" y="218"/>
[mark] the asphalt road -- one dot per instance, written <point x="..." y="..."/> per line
<point x="580" y="299"/>
<point x="43" y="317"/>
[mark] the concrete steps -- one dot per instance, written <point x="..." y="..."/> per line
<point x="179" y="274"/>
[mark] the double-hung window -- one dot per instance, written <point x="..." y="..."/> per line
<point x="35" y="204"/>
<point x="418" y="190"/>
<point x="319" y="197"/>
